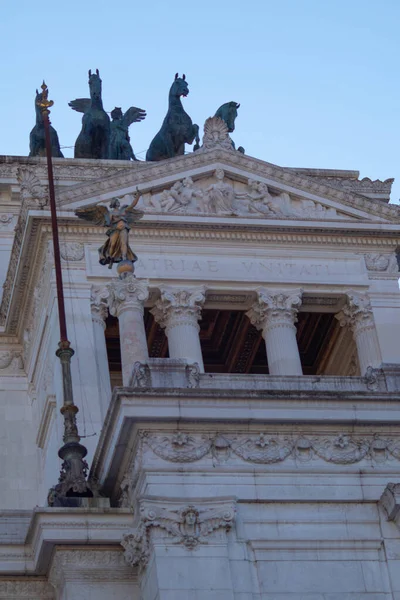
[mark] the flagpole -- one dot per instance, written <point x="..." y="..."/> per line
<point x="72" y="481"/>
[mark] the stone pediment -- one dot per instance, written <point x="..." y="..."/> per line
<point x="221" y="184"/>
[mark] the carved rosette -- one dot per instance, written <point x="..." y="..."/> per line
<point x="357" y="313"/>
<point x="274" y="308"/>
<point x="189" y="526"/>
<point x="127" y="294"/>
<point x="179" y="307"/>
<point x="99" y="305"/>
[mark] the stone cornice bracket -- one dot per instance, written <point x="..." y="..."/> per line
<point x="179" y="306"/>
<point x="127" y="294"/>
<point x="390" y="500"/>
<point x="188" y="526"/>
<point x="99" y="304"/>
<point x="357" y="313"/>
<point x="275" y="308"/>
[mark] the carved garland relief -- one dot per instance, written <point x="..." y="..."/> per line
<point x="266" y="448"/>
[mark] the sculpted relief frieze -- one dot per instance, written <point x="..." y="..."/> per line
<point x="221" y="196"/>
<point x="268" y="448"/>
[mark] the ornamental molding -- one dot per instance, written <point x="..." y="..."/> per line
<point x="99" y="297"/>
<point x="31" y="189"/>
<point x="269" y="448"/>
<point x="189" y="526"/>
<point x="27" y="587"/>
<point x="88" y="565"/>
<point x="26" y="262"/>
<point x="150" y="172"/>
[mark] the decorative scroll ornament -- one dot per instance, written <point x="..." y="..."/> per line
<point x="189" y="526"/>
<point x="126" y="294"/>
<point x="178" y="306"/>
<point x="390" y="500"/>
<point x="357" y="313"/>
<point x="275" y="308"/>
<point x="265" y="448"/>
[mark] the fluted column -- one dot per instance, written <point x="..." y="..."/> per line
<point x="126" y="302"/>
<point x="275" y="313"/>
<point x="357" y="314"/>
<point x="179" y="311"/>
<point x="99" y="308"/>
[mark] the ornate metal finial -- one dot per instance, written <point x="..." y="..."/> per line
<point x="44" y="103"/>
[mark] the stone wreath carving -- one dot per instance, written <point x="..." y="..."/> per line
<point x="341" y="449"/>
<point x="222" y="198"/>
<point x="189" y="526"/>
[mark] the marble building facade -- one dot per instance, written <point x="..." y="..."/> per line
<point x="239" y="398"/>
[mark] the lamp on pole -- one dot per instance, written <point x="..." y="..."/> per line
<point x="72" y="482"/>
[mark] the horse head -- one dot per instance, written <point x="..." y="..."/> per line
<point x="228" y="113"/>
<point x="179" y="87"/>
<point x="95" y="85"/>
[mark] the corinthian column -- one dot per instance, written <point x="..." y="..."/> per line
<point x="179" y="311"/>
<point x="99" y="308"/>
<point x="357" y="314"/>
<point x="126" y="302"/>
<point x="275" y="313"/>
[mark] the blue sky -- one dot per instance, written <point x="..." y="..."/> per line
<point x="318" y="80"/>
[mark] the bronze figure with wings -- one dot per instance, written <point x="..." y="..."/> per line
<point x="120" y="147"/>
<point x="119" y="219"/>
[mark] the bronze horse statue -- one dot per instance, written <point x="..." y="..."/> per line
<point x="228" y="113"/>
<point x="177" y="128"/>
<point x="37" y="140"/>
<point x="94" y="138"/>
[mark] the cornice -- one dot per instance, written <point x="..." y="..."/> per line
<point x="29" y="248"/>
<point x="175" y="166"/>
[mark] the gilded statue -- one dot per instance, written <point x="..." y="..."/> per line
<point x="119" y="220"/>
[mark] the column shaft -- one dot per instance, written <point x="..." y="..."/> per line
<point x="133" y="341"/>
<point x="126" y="301"/>
<point x="179" y="311"/>
<point x="357" y="314"/>
<point x="275" y="313"/>
<point x="282" y="350"/>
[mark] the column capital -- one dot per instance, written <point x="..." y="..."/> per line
<point x="275" y="308"/>
<point x="99" y="304"/>
<point x="127" y="294"/>
<point x="357" y="312"/>
<point x="179" y="306"/>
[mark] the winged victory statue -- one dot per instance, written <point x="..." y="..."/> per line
<point x="119" y="220"/>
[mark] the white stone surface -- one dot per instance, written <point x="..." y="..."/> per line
<point x="304" y="459"/>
